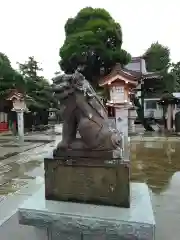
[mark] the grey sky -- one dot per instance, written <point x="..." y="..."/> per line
<point x="36" y="27"/>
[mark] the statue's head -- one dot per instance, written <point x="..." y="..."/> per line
<point x="67" y="84"/>
<point x="62" y="86"/>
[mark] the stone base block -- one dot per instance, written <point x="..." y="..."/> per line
<point x="67" y="220"/>
<point x="88" y="180"/>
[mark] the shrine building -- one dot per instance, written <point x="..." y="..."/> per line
<point x="121" y="81"/>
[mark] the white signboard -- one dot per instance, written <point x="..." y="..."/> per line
<point x="117" y="94"/>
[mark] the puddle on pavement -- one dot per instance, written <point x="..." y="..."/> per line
<point x="158" y="164"/>
<point x="16" y="171"/>
<point x="15" y="175"/>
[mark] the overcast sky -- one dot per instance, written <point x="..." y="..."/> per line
<point x="36" y="27"/>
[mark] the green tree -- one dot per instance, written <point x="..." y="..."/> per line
<point x="36" y="86"/>
<point x="157" y="57"/>
<point x="9" y="78"/>
<point x="175" y="75"/>
<point x="30" y="68"/>
<point x="93" y="39"/>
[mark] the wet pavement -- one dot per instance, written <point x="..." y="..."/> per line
<point x="11" y="148"/>
<point x="154" y="160"/>
<point x="158" y="164"/>
<point x="10" y="145"/>
<point x="23" y="174"/>
<point x="16" y="171"/>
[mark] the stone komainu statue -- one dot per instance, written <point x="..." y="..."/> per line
<point x="83" y="113"/>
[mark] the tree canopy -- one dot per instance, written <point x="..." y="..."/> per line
<point x="157" y="57"/>
<point x="36" y="86"/>
<point x="9" y="78"/>
<point x="175" y="73"/>
<point x="93" y="39"/>
<point x="27" y="80"/>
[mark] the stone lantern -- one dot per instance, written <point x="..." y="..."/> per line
<point x="119" y="84"/>
<point x="19" y="106"/>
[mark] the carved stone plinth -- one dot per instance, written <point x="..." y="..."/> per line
<point x="65" y="220"/>
<point x="97" y="180"/>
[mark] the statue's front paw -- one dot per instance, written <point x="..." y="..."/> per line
<point x="62" y="145"/>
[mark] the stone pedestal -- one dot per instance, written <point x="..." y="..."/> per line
<point x="122" y="124"/>
<point x="131" y="126"/>
<point x="74" y="221"/>
<point x="99" y="180"/>
<point x="122" y="120"/>
<point x="20" y="121"/>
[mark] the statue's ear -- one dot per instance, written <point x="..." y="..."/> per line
<point x="58" y="78"/>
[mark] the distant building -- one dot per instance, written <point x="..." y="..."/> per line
<point x="151" y="106"/>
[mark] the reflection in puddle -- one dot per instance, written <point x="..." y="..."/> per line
<point x="158" y="164"/>
<point x="155" y="163"/>
<point x="15" y="175"/>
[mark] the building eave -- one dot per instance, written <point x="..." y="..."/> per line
<point x="151" y="76"/>
<point x="127" y="74"/>
<point x="123" y="104"/>
<point x="117" y="78"/>
<point x="120" y="74"/>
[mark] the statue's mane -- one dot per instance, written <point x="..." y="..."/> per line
<point x="66" y="84"/>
